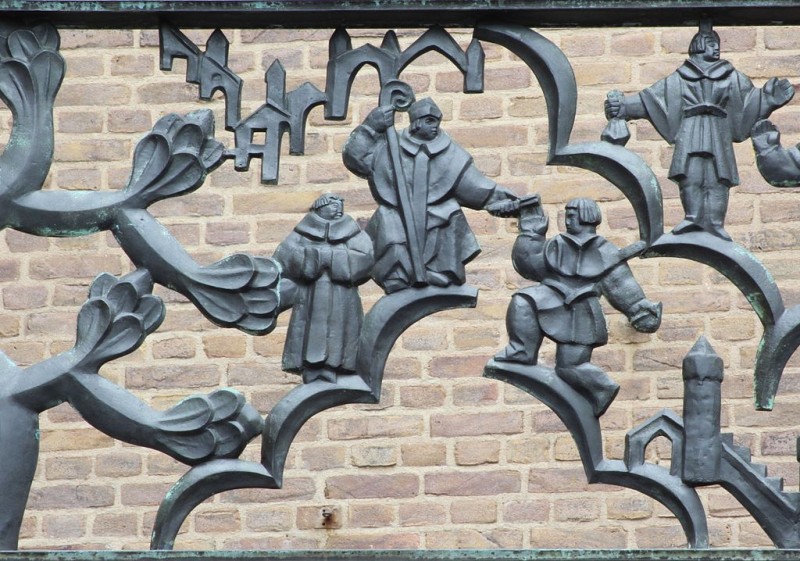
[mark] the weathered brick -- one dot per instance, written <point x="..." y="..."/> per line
<point x="423" y="454"/>
<point x="477" y="393"/>
<point x="375" y="427"/>
<point x="371" y="516"/>
<point x="120" y="525"/>
<point x="218" y="521"/>
<point x="473" y="483"/>
<point x="82" y="95"/>
<point x="83" y="38"/>
<point x="397" y="486"/>
<point x="379" y="540"/>
<point x="473" y="511"/>
<point x="603" y="537"/>
<point x="227" y="233"/>
<point x="225" y="346"/>
<point x="424" y="397"/>
<point x="629" y="508"/>
<point x="176" y="347"/>
<point x="79" y="121"/>
<point x="143" y="494"/>
<point x="129" y="121"/>
<point x="118" y="464"/>
<point x="297" y="488"/>
<point x="427" y="514"/>
<point x="172" y="376"/>
<point x="366" y="456"/>
<point x="74" y="439"/>
<point x="22" y="297"/>
<point x="476" y="424"/>
<point x="68" y="468"/>
<point x="270" y="519"/>
<point x="70" y="497"/>
<point x="63" y="526"/>
<point x="472" y="453"/>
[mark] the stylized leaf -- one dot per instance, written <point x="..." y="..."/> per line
<point x="191" y="414"/>
<point x="226" y="403"/>
<point x="213" y="152"/>
<point x="47" y="36"/>
<point x="125" y="335"/>
<point x="225" y="307"/>
<point x="183" y="174"/>
<point x="94" y="320"/>
<point x="23" y="44"/>
<point x="190" y="448"/>
<point x="262" y="302"/>
<point x="16" y="85"/>
<point x="150" y="159"/>
<point x="122" y="296"/>
<point x="229" y="439"/>
<point x="102" y="284"/>
<point x="231" y="273"/>
<point x="47" y="69"/>
<point x="189" y="138"/>
<point x="268" y="272"/>
<point x="151" y="308"/>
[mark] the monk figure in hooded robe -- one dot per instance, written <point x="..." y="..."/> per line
<point x="327" y="257"/>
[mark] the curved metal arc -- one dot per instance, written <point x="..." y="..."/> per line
<point x="393" y="314"/>
<point x="552" y="70"/>
<point x="573" y="409"/>
<point x="625" y="169"/>
<point x="777" y="345"/>
<point x="383" y="324"/>
<point x="629" y="173"/>
<point x="737" y="264"/>
<point x="290" y="414"/>
<point x="577" y="414"/>
<point x="657" y="483"/>
<point x="198" y="484"/>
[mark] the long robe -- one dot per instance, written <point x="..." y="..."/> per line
<point x="441" y="177"/>
<point x="703" y="112"/>
<point x="327" y="313"/>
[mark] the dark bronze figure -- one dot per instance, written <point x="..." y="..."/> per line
<point x="327" y="256"/>
<point x="573" y="270"/>
<point x="702" y="109"/>
<point x="779" y="166"/>
<point x="420" y="182"/>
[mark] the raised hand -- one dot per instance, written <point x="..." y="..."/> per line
<point x="778" y="91"/>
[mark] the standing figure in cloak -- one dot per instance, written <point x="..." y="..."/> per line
<point x="327" y="257"/>
<point x="702" y="109"/>
<point x="427" y="240"/>
<point x="573" y="269"/>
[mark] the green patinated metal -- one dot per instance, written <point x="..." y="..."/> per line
<point x="414" y="555"/>
<point x="403" y="13"/>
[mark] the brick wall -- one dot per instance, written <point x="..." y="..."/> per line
<point x="447" y="459"/>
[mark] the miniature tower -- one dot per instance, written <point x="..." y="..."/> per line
<point x="702" y="445"/>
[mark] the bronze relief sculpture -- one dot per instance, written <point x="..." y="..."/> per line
<point x="702" y="109"/>
<point x="422" y="238"/>
<point x="327" y="257"/>
<point x="573" y="269"/>
<point x="416" y="247"/>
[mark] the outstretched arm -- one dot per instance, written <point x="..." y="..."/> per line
<point x="626" y="295"/>
<point x="779" y="166"/>
<point x="359" y="151"/>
